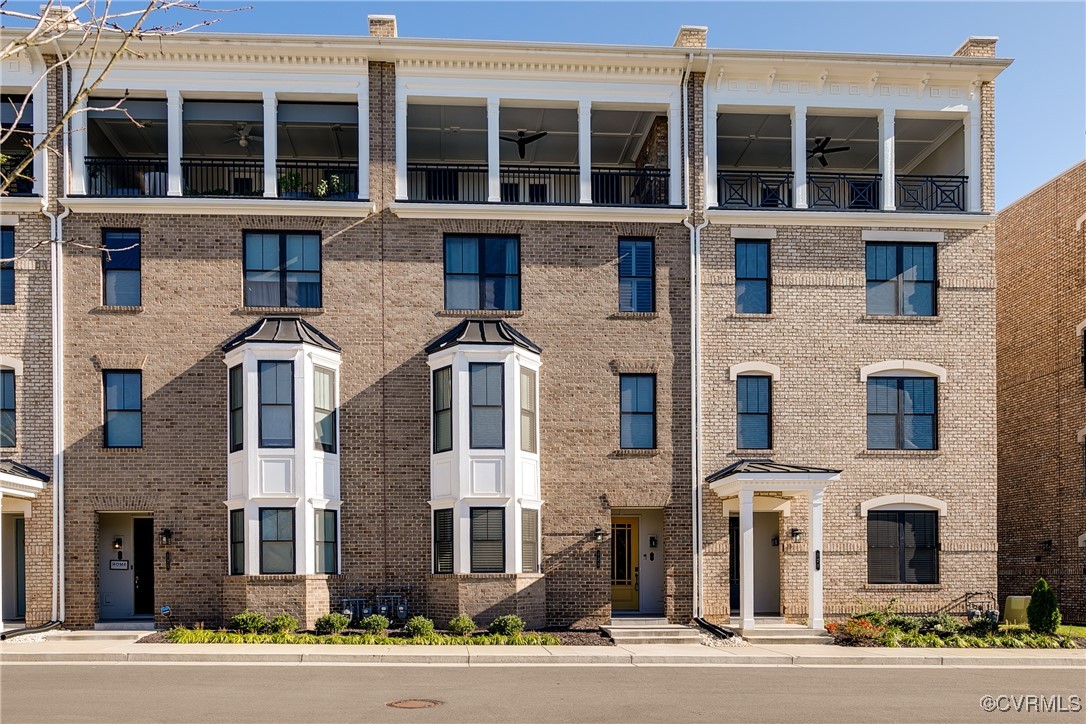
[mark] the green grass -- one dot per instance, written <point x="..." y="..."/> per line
<point x="183" y="635"/>
<point x="1078" y="632"/>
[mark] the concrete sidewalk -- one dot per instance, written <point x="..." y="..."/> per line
<point x="631" y="655"/>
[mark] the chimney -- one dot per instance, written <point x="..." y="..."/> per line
<point x="58" y="17"/>
<point x="382" y="26"/>
<point x="691" y="36"/>
<point x="977" y="46"/>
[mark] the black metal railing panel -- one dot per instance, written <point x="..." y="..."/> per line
<point x="930" y="193"/>
<point x="222" y="177"/>
<point x="126" y="176"/>
<point x="630" y="186"/>
<point x="848" y="191"/>
<point x="754" y="189"/>
<point x="23" y="183"/>
<point x="326" y="180"/>
<point x="527" y="184"/>
<point x="464" y="183"/>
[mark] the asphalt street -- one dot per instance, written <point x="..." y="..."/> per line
<point x="334" y="693"/>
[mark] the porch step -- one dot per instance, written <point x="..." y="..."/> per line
<point x="148" y="625"/>
<point x="623" y="633"/>
<point x="767" y="634"/>
<point x="98" y="636"/>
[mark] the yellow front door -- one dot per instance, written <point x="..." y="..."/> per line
<point x="624" y="569"/>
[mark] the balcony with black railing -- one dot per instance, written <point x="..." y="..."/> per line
<point x="18" y="184"/>
<point x="324" y="180"/>
<point x="931" y="193"/>
<point x="126" y="176"/>
<point x="738" y="189"/>
<point x="844" y="191"/>
<point x="222" y="177"/>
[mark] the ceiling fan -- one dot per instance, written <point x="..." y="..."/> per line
<point x="522" y="140"/>
<point x="819" y="150"/>
<point x="242" y="135"/>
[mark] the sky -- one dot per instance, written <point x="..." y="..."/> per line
<point x="1040" y="99"/>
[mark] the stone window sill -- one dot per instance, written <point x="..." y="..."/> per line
<point x="900" y="319"/>
<point x="479" y="313"/>
<point x="280" y="310"/>
<point x="634" y="315"/>
<point x="749" y="453"/>
<point x="109" y="309"/>
<point x="121" y="450"/>
<point x="902" y="587"/>
<point x="902" y="453"/>
<point x="741" y="315"/>
<point x="636" y="452"/>
<point x="9" y="308"/>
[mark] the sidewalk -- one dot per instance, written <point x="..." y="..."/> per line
<point x="632" y="655"/>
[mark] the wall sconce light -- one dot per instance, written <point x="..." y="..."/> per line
<point x="166" y="536"/>
<point x="775" y="541"/>
<point x="117" y="544"/>
<point x="598" y="534"/>
<point x="796" y="534"/>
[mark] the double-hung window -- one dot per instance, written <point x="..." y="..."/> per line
<point x="237" y="542"/>
<point x="276" y="382"/>
<point x="901" y="413"/>
<point x="488" y="540"/>
<point x="7" y="408"/>
<point x="637" y="411"/>
<point x="903" y="546"/>
<point x="7" y="268"/>
<point x="236" y="395"/>
<point x="121" y="268"/>
<point x="754" y="430"/>
<point x="487" y="405"/>
<point x="327" y="541"/>
<point x="324" y="409"/>
<point x="282" y="269"/>
<point x="528" y="413"/>
<point x="636" y="275"/>
<point x="482" y="272"/>
<point x="442" y="391"/>
<point x="529" y="543"/>
<point x="124" y="408"/>
<point x="277" y="540"/>
<point x="752" y="277"/>
<point x="443" y="540"/>
<point x="901" y="279"/>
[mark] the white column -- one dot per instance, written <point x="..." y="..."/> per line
<point x="78" y="174"/>
<point x="173" y="142"/>
<point x="271" y="141"/>
<point x="40" y="165"/>
<point x="584" y="149"/>
<point x="401" y="149"/>
<point x="972" y="158"/>
<point x="887" y="159"/>
<point x="493" y="152"/>
<point x="675" y="159"/>
<point x="799" y="157"/>
<point x="711" y="169"/>
<point x="746" y="558"/>
<point x="816" y="562"/>
<point x="364" y="139"/>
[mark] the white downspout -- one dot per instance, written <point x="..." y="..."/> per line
<point x="58" y="348"/>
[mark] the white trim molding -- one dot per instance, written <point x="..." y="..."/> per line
<point x="19" y="205"/>
<point x="902" y="365"/>
<point x="760" y="232"/>
<point x="892" y="235"/>
<point x="897" y="500"/>
<point x="762" y="504"/>
<point x="1082" y="435"/>
<point x="747" y="368"/>
<point x="1081" y="328"/>
<point x="10" y="363"/>
<point x="218" y="207"/>
<point x="801" y="217"/>
<point x="527" y="212"/>
<point x="1082" y="541"/>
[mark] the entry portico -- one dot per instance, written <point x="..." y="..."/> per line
<point x="745" y="478"/>
<point x="19" y="484"/>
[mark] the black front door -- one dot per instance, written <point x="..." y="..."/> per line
<point x="143" y="566"/>
<point x="733" y="561"/>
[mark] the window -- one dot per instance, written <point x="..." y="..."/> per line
<point x="482" y="272"/>
<point x="7" y="268"/>
<point x="121" y="268"/>
<point x="7" y="408"/>
<point x="528" y="441"/>
<point x="487" y="409"/>
<point x="754" y="407"/>
<point x="237" y="411"/>
<point x="901" y="279"/>
<point x="488" y="540"/>
<point x="529" y="543"/>
<point x="443" y="541"/>
<point x="237" y="542"/>
<point x="901" y="413"/>
<point x="282" y="270"/>
<point x="327" y="542"/>
<point x="752" y="277"/>
<point x="276" y="404"/>
<point x="124" y="409"/>
<point x="636" y="270"/>
<point x="324" y="409"/>
<point x="443" y="409"/>
<point x="637" y="405"/>
<point x="903" y="546"/>
<point x="277" y="540"/>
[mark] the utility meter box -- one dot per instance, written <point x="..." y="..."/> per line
<point x="1014" y="611"/>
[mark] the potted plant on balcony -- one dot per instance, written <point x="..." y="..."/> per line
<point x="290" y="185"/>
<point x="331" y="187"/>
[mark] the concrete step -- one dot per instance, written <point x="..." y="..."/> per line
<point x="638" y="622"/>
<point x="656" y="640"/>
<point x="97" y="636"/>
<point x="644" y="633"/>
<point x="760" y="639"/>
<point x="137" y="625"/>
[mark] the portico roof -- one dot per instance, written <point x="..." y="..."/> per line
<point x="769" y="475"/>
<point x="20" y="480"/>
<point x="482" y="331"/>
<point x="282" y="330"/>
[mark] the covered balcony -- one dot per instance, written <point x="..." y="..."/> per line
<point x="126" y="147"/>
<point x="17" y="131"/>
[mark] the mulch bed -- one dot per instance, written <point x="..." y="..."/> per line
<point x="158" y="637"/>
<point x="568" y="637"/>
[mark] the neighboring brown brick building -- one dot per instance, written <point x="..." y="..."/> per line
<point x="1040" y="323"/>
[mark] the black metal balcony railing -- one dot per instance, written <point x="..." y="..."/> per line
<point x="126" y="176"/>
<point x="930" y="193"/>
<point x="222" y="177"/>
<point x="327" y="180"/>
<point x="463" y="183"/>
<point x="630" y="186"/>
<point x="850" y="191"/>
<point x="754" y="189"/>
<point x="527" y="184"/>
<point x="23" y="184"/>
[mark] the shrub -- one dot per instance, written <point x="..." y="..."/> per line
<point x="282" y="624"/>
<point x="374" y="624"/>
<point x="942" y="624"/>
<point x="982" y="626"/>
<point x="419" y="626"/>
<point x="908" y="624"/>
<point x="248" y="622"/>
<point x="507" y="625"/>
<point x="856" y="632"/>
<point x="1043" y="613"/>
<point x="331" y="623"/>
<point x="461" y="626"/>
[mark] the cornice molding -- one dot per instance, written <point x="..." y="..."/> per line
<point x="408" y="210"/>
<point x="425" y="66"/>
<point x="258" y="59"/>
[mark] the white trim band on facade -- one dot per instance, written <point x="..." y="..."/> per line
<point x="20" y="487"/>
<point x="19" y="205"/>
<point x="762" y="504"/>
<point x="902" y="365"/>
<point x="10" y="363"/>
<point x="746" y="368"/>
<point x="1081" y="328"/>
<point x="219" y="207"/>
<point x="746" y="232"/>
<point x="9" y="220"/>
<point x="900" y="499"/>
<point x="800" y="217"/>
<point x="892" y="235"/>
<point x="527" y="212"/>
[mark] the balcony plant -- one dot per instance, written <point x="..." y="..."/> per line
<point x="290" y="185"/>
<point x="331" y="187"/>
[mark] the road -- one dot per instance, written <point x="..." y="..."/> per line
<point x="335" y="693"/>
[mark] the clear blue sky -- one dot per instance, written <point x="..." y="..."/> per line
<point x="1040" y="100"/>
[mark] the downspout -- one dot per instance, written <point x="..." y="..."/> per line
<point x="699" y="473"/>
<point x="58" y="348"/>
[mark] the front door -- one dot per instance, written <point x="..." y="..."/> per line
<point x="143" y="566"/>
<point x="624" y="565"/>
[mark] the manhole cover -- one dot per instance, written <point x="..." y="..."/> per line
<point x="414" y="703"/>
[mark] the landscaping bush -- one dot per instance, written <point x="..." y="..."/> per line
<point x="201" y="636"/>
<point x="907" y="624"/>
<point x="331" y="623"/>
<point x="282" y="624"/>
<point x="461" y="626"/>
<point x="944" y="623"/>
<point x="982" y="626"/>
<point x="506" y="625"/>
<point x="856" y="631"/>
<point x="248" y="622"/>
<point x="374" y="624"/>
<point x="1043" y="613"/>
<point x="419" y="627"/>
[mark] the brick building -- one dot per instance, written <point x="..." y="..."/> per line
<point x="476" y="324"/>
<point x="1040" y="323"/>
